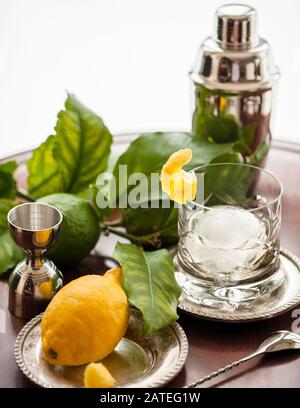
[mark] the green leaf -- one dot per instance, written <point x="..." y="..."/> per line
<point x="8" y="187"/>
<point x="97" y="188"/>
<point x="10" y="254"/>
<point x="43" y="173"/>
<point x="9" y="167"/>
<point x="150" y="284"/>
<point x="5" y="206"/>
<point x="72" y="158"/>
<point x="228" y="158"/>
<point x="156" y="227"/>
<point x="228" y="185"/>
<point x="83" y="145"/>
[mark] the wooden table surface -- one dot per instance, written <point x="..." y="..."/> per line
<point x="212" y="345"/>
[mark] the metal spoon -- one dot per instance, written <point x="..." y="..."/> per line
<point x="280" y="340"/>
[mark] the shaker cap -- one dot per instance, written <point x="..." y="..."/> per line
<point x="235" y="26"/>
<point x="235" y="59"/>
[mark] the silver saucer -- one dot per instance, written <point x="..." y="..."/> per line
<point x="270" y="305"/>
<point x="151" y="362"/>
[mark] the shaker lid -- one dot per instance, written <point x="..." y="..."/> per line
<point x="235" y="26"/>
<point x="235" y="59"/>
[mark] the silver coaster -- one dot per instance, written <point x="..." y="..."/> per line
<point x="286" y="297"/>
<point x="150" y="362"/>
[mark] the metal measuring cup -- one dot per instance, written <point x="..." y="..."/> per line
<point x="35" y="280"/>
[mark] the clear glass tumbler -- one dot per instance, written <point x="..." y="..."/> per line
<point x="229" y="237"/>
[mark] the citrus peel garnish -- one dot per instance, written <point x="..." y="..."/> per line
<point x="180" y="185"/>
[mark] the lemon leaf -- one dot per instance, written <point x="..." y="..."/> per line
<point x="8" y="187"/>
<point x="227" y="185"/>
<point x="83" y="145"/>
<point x="43" y="173"/>
<point x="150" y="284"/>
<point x="5" y="205"/>
<point x="155" y="227"/>
<point x="10" y="253"/>
<point x="71" y="159"/>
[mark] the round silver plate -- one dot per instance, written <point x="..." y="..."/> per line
<point x="270" y="305"/>
<point x="150" y="362"/>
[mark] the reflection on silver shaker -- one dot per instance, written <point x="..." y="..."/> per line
<point x="233" y="77"/>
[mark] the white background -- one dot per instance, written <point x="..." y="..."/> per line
<point x="127" y="60"/>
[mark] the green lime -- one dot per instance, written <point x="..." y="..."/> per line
<point x="79" y="230"/>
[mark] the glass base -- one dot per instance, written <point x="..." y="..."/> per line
<point x="232" y="297"/>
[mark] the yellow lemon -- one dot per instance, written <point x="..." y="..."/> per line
<point x="180" y="185"/>
<point x="96" y="375"/>
<point x="85" y="320"/>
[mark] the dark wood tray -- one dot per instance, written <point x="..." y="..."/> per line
<point x="212" y="345"/>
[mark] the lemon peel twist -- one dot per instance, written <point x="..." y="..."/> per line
<point x="181" y="186"/>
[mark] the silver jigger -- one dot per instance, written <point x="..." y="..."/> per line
<point x="35" y="280"/>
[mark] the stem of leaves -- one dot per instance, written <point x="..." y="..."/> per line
<point x="150" y="240"/>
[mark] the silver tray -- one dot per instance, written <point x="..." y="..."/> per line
<point x="151" y="362"/>
<point x="269" y="306"/>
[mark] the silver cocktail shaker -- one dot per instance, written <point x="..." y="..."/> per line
<point x="233" y="77"/>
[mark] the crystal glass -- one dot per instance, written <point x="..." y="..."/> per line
<point x="229" y="241"/>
